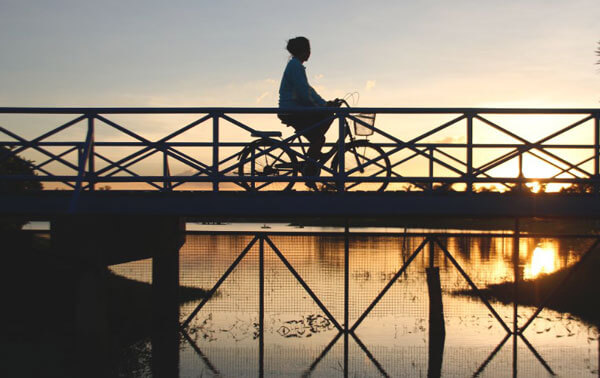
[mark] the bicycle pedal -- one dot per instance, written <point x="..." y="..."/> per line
<point x="312" y="186"/>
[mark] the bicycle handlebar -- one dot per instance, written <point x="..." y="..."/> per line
<point x="341" y="102"/>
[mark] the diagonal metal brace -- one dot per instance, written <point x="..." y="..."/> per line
<point x="473" y="286"/>
<point x="304" y="285"/>
<point x="389" y="285"/>
<point x="219" y="282"/>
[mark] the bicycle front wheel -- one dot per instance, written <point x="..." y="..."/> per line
<point x="268" y="165"/>
<point x="367" y="167"/>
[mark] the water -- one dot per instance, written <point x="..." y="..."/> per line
<point x="394" y="338"/>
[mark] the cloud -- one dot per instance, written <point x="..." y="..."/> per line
<point x="319" y="77"/>
<point x="452" y="140"/>
<point x="370" y="85"/>
<point x="262" y="97"/>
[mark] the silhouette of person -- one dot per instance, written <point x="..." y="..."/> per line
<point x="296" y="93"/>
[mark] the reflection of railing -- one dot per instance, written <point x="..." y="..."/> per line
<point x="431" y="241"/>
<point x="464" y="165"/>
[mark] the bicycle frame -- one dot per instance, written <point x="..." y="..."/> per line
<point x="282" y="159"/>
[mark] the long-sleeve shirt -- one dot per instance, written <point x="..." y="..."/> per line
<point x="294" y="90"/>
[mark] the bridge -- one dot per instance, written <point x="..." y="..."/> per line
<point x="111" y="174"/>
<point x="216" y="162"/>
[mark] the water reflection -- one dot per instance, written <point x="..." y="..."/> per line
<point x="395" y="338"/>
<point x="543" y="260"/>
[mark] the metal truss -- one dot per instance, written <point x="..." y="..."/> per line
<point x="346" y="330"/>
<point x="79" y="165"/>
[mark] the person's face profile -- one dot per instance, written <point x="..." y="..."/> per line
<point x="305" y="55"/>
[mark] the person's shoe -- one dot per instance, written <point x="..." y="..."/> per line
<point x="312" y="186"/>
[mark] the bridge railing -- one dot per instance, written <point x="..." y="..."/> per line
<point x="218" y="149"/>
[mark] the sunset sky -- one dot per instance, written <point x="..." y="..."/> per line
<point x="432" y="54"/>
<point x="231" y="53"/>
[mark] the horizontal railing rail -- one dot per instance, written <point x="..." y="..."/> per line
<point x="240" y="154"/>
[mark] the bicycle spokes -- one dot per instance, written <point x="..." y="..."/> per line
<point x="266" y="165"/>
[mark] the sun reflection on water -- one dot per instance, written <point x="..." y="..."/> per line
<point x="543" y="260"/>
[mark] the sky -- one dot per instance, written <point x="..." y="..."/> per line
<point x="527" y="53"/>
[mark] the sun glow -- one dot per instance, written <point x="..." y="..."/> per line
<point x="542" y="261"/>
<point x="534" y="186"/>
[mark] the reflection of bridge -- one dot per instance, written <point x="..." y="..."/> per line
<point x="94" y="149"/>
<point x="432" y="244"/>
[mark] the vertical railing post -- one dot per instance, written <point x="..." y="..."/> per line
<point x="261" y="306"/>
<point x="431" y="150"/>
<point x="215" y="154"/>
<point x="80" y="151"/>
<point x="596" y="153"/>
<point x="341" y="173"/>
<point x="346" y="294"/>
<point x="515" y="261"/>
<point x="469" y="152"/>
<point x="253" y="168"/>
<point x="166" y="171"/>
<point x="91" y="153"/>
<point x="521" y="184"/>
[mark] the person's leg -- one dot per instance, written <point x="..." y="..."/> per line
<point x="316" y="136"/>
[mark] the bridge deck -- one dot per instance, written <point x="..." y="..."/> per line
<point x="290" y="205"/>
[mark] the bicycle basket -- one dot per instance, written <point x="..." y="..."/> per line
<point x="359" y="128"/>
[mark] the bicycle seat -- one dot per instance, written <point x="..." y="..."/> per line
<point x="266" y="134"/>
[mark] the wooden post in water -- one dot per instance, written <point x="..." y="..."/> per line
<point x="515" y="261"/>
<point x="437" y="329"/>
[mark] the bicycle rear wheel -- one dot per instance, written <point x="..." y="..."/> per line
<point x="265" y="164"/>
<point x="364" y="160"/>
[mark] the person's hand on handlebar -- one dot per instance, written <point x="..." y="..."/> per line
<point x="335" y="103"/>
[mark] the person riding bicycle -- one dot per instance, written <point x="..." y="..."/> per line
<point x="296" y="93"/>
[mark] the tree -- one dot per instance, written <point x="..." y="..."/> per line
<point x="15" y="165"/>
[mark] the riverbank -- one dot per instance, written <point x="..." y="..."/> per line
<point x="38" y="332"/>
<point x="577" y="296"/>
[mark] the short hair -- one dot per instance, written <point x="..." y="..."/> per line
<point x="298" y="45"/>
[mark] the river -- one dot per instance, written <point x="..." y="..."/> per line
<point x="394" y="337"/>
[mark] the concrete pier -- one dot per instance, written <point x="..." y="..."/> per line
<point x="91" y="243"/>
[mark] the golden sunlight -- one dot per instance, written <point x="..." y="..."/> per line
<point x="534" y="186"/>
<point x="542" y="261"/>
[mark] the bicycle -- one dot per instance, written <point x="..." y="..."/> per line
<point x="276" y="160"/>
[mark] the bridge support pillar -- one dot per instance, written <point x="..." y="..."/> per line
<point x="165" y="303"/>
<point x="91" y="243"/>
<point x="90" y="296"/>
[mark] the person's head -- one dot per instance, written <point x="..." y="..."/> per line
<point x="299" y="47"/>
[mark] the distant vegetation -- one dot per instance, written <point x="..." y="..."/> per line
<point x="14" y="165"/>
<point x="527" y="188"/>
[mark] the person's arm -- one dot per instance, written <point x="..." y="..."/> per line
<point x="306" y="94"/>
<point x="318" y="99"/>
